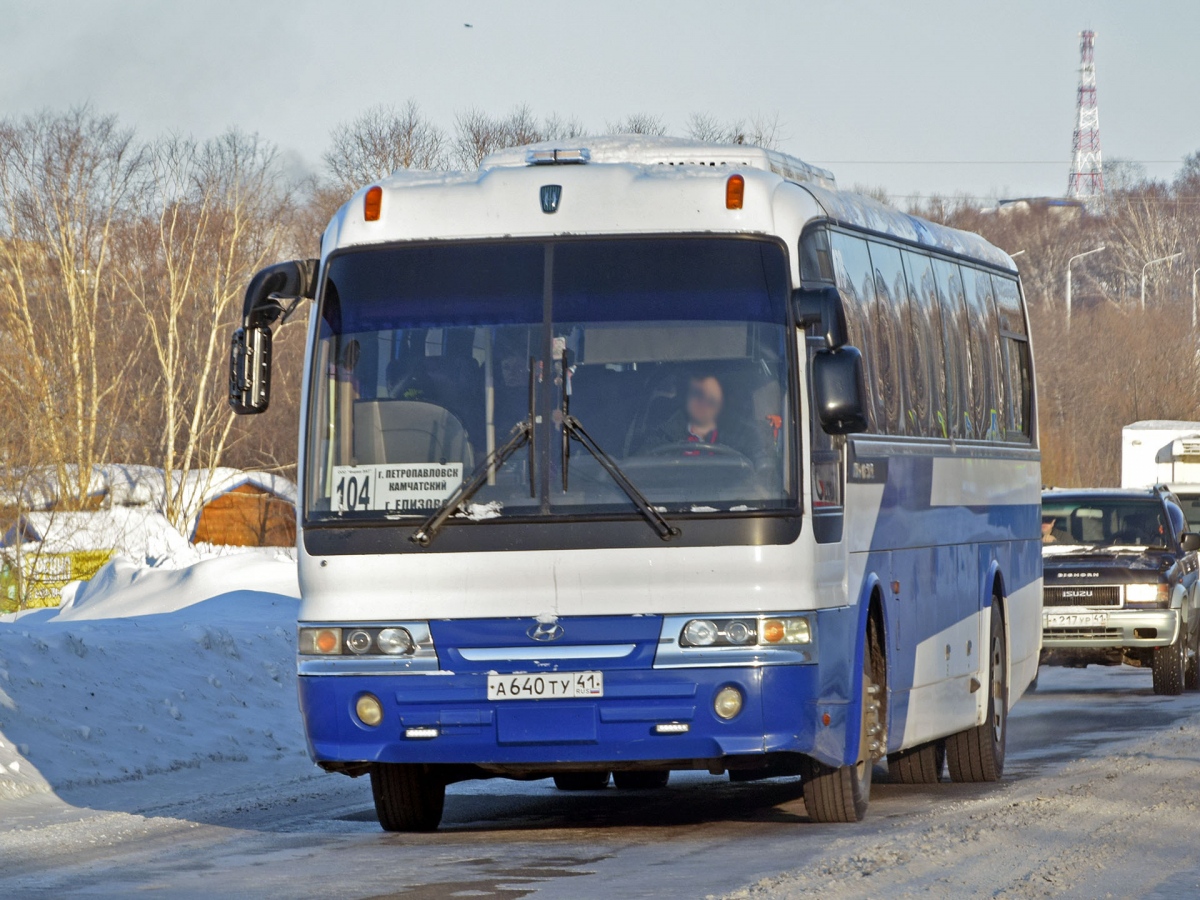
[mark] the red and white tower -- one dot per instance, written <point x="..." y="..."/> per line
<point x="1087" y="177"/>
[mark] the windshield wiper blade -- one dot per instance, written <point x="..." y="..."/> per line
<point x="522" y="434"/>
<point x="575" y="429"/>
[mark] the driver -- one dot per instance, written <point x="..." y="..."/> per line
<point x="701" y="421"/>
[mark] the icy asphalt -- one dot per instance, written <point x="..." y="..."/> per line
<point x="1099" y="799"/>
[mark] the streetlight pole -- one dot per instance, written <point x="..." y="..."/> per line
<point x="1194" y="274"/>
<point x="1069" y="262"/>
<point x="1148" y="265"/>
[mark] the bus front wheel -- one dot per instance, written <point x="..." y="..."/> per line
<point x="977" y="754"/>
<point x="841" y="793"/>
<point x="407" y="797"/>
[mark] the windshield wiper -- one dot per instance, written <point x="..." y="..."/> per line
<point x="521" y="435"/>
<point x="573" y="428"/>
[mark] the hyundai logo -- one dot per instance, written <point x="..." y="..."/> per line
<point x="551" y="195"/>
<point x="545" y="631"/>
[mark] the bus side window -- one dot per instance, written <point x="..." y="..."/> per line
<point x="923" y="337"/>
<point x="955" y="342"/>
<point x="1015" y="346"/>
<point x="891" y="294"/>
<point x="815" y="261"/>
<point x="852" y="268"/>
<point x="988" y="386"/>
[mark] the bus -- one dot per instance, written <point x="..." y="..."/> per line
<point x="642" y="455"/>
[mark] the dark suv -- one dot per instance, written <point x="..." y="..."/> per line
<point x="1121" y="583"/>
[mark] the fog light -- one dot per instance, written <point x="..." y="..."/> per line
<point x="728" y="702"/>
<point x="420" y="734"/>
<point x="700" y="633"/>
<point x="369" y="710"/>
<point x="395" y="641"/>
<point x="672" y="728"/>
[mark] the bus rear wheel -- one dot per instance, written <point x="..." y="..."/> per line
<point x="919" y="765"/>
<point x="581" y="781"/>
<point x="977" y="754"/>
<point x="642" y="780"/>
<point x="842" y="793"/>
<point x="407" y="797"/>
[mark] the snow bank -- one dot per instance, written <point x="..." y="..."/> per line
<point x="145" y="671"/>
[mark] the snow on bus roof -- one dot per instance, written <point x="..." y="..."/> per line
<point x="859" y="211"/>
<point x="653" y="150"/>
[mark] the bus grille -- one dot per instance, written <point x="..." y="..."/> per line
<point x="1107" y="595"/>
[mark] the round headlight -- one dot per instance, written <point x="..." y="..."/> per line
<point x="369" y="710"/>
<point x="395" y="641"/>
<point x="738" y="633"/>
<point x="728" y="702"/>
<point x="358" y="642"/>
<point x="700" y="633"/>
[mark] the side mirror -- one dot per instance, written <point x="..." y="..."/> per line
<point x="840" y="390"/>
<point x="823" y="307"/>
<point x="1189" y="541"/>
<point x="250" y="370"/>
<point x="272" y="296"/>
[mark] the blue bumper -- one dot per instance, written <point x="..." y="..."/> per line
<point x="783" y="712"/>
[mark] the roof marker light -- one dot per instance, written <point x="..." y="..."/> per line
<point x="735" y="192"/>
<point x="557" y="157"/>
<point x="373" y="203"/>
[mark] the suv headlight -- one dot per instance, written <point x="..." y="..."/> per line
<point x="1147" y="594"/>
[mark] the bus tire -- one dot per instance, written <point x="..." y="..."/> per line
<point x="1167" y="666"/>
<point x="581" y="781"/>
<point x="407" y="797"/>
<point x="642" y="780"/>
<point x="842" y="793"/>
<point x="919" y="765"/>
<point x="977" y="754"/>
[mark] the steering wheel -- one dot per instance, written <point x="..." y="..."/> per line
<point x="695" y="448"/>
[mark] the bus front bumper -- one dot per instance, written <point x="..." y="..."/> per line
<point x="447" y="718"/>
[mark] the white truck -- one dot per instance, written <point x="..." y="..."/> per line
<point x="1164" y="451"/>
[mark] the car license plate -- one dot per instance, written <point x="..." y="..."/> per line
<point x="1076" y="620"/>
<point x="545" y="686"/>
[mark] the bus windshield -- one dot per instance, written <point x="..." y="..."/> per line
<point x="671" y="354"/>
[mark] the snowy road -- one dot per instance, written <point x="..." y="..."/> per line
<point x="1100" y="798"/>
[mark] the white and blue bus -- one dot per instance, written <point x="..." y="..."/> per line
<point x="645" y="456"/>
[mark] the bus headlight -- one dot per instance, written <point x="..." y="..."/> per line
<point x="699" y="633"/>
<point x="773" y="631"/>
<point x="395" y="641"/>
<point x="358" y="642"/>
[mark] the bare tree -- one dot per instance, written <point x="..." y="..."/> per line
<point x="66" y="183"/>
<point x="639" y="123"/>
<point x="761" y="131"/>
<point x="218" y="214"/>
<point x="382" y="140"/>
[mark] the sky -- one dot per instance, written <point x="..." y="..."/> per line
<point x="916" y="97"/>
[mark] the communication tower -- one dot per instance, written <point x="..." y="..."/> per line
<point x="1087" y="176"/>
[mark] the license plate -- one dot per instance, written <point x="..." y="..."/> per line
<point x="552" y="686"/>
<point x="1076" y="620"/>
